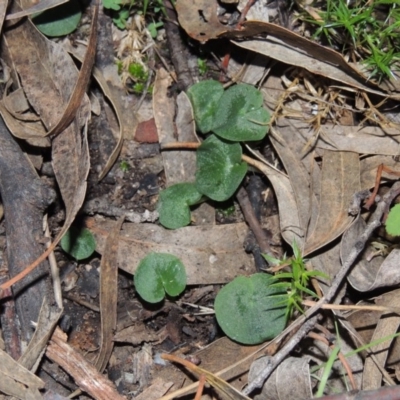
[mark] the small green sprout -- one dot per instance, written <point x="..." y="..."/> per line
<point x="138" y="72"/>
<point x="202" y="65"/>
<point x="124" y="166"/>
<point x="295" y="282"/>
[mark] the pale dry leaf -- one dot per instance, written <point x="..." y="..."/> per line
<point x="369" y="167"/>
<point x="43" y="5"/>
<point x="211" y="254"/>
<point x="375" y="273"/>
<point x="108" y="295"/>
<point x="298" y="175"/>
<point x="199" y="19"/>
<point x="388" y="324"/>
<point x="3" y="10"/>
<point x="16" y="380"/>
<point x="47" y="321"/>
<point x="49" y="90"/>
<point x="289" y="218"/>
<point x="291" y="380"/>
<point x="362" y="140"/>
<point x="340" y="180"/>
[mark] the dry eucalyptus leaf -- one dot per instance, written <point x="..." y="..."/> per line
<point x="289" y="218"/>
<point x="363" y="140"/>
<point x="16" y="380"/>
<point x="199" y="19"/>
<point x="43" y="5"/>
<point x="211" y="254"/>
<point x="47" y="321"/>
<point x="369" y="167"/>
<point x="369" y="275"/>
<point x="388" y="324"/>
<point x="179" y="166"/>
<point x="3" y="10"/>
<point x="291" y="380"/>
<point x="298" y="175"/>
<point x="49" y="90"/>
<point x="108" y="295"/>
<point x="340" y="180"/>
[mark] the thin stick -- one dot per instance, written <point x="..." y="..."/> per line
<point x="310" y="303"/>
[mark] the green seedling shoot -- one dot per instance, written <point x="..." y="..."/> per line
<point x="296" y="281"/>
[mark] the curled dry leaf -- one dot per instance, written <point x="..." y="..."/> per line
<point x="376" y="273"/>
<point x="282" y="384"/>
<point x="388" y="325"/>
<point x="53" y="84"/>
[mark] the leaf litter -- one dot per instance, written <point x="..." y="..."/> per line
<point x="327" y="144"/>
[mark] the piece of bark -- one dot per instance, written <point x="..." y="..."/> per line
<point x="25" y="197"/>
<point x="85" y="375"/>
<point x="179" y="52"/>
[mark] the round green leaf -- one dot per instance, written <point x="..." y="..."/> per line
<point x="251" y="310"/>
<point x="60" y="20"/>
<point x="240" y="115"/>
<point x="220" y="169"/>
<point x="392" y="223"/>
<point x="174" y="202"/>
<point x="78" y="243"/>
<point x="205" y="97"/>
<point x="157" y="274"/>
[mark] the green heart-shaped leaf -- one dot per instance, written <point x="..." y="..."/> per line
<point x="78" y="243"/>
<point x="157" y="274"/>
<point x="220" y="169"/>
<point x="205" y="97"/>
<point x="60" y="20"/>
<point x="240" y="115"/>
<point x="174" y="202"/>
<point x="251" y="309"/>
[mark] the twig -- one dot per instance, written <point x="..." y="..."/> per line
<point x="374" y="223"/>
<point x="310" y="303"/>
<point x="252" y="220"/>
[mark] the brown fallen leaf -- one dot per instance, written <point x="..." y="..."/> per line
<point x="16" y="380"/>
<point x="340" y="180"/>
<point x="199" y="19"/>
<point x="291" y="380"/>
<point x="108" y="295"/>
<point x="47" y="321"/>
<point x="35" y="8"/>
<point x="70" y="154"/>
<point x="388" y="325"/>
<point x="212" y="379"/>
<point x="211" y="254"/>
